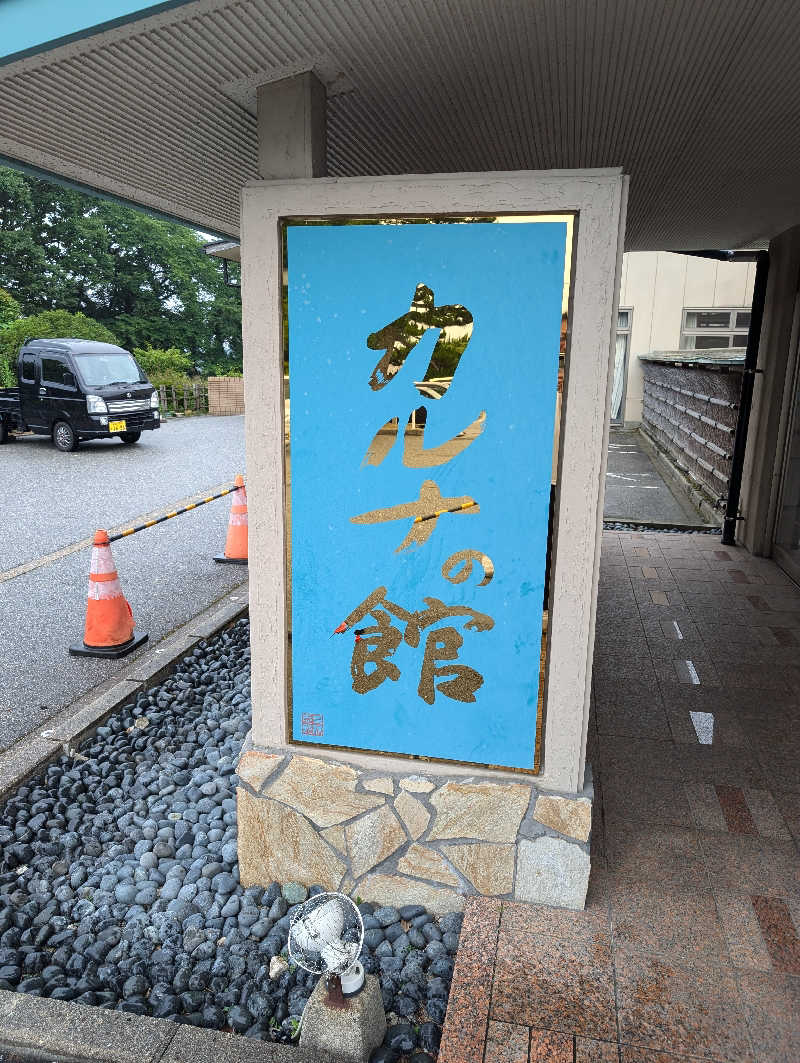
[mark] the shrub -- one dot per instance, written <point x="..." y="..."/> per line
<point x="223" y="367"/>
<point x="170" y="366"/>
<point x="50" y="324"/>
<point x="9" y="309"/>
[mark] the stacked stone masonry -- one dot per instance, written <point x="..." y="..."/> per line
<point x="413" y="838"/>
<point x="690" y="413"/>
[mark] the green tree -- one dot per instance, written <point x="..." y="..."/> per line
<point x="146" y="279"/>
<point x="23" y="265"/>
<point x="9" y="309"/>
<point x="50" y="324"/>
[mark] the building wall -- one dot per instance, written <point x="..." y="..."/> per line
<point x="772" y="396"/>
<point x="658" y="286"/>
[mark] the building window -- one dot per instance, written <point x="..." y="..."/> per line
<point x="705" y="330"/>
<point x="620" y="365"/>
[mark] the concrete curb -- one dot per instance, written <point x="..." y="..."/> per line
<point x="79" y="720"/>
<point x="78" y="1033"/>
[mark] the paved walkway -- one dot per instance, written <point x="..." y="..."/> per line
<point x="635" y="489"/>
<point x="688" y="948"/>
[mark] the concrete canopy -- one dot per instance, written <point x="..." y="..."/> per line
<point x="697" y="101"/>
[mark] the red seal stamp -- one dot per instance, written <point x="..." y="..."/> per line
<point x="313" y="724"/>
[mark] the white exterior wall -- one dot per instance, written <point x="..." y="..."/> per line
<point x="657" y="286"/>
<point x="773" y="397"/>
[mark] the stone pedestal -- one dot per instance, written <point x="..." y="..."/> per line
<point x="343" y="1035"/>
<point x="421" y="836"/>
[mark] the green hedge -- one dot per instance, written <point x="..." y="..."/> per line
<point x="50" y="324"/>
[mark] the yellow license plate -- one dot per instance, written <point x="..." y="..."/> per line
<point x="116" y="426"/>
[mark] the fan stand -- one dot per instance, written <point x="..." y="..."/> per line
<point x="342" y="1029"/>
<point x="335" y="995"/>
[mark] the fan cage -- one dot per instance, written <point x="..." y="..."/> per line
<point x="334" y="955"/>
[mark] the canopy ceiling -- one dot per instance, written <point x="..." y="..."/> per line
<point x="699" y="102"/>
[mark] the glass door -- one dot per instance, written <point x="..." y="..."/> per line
<point x="787" y="532"/>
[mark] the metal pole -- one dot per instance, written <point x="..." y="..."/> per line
<point x="335" y="995"/>
<point x="746" y="400"/>
<point x="173" y="513"/>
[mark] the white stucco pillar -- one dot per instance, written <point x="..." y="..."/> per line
<point x="291" y="145"/>
<point x="291" y="128"/>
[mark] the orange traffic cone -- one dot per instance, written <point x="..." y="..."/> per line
<point x="236" y="543"/>
<point x="109" y="620"/>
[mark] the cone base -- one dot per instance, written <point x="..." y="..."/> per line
<point x="112" y="652"/>
<point x="221" y="559"/>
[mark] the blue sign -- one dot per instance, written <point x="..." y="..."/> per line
<point x="37" y="24"/>
<point x="423" y="379"/>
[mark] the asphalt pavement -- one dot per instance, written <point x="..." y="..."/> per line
<point x="50" y="501"/>
<point x="635" y="489"/>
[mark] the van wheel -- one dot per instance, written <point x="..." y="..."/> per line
<point x="130" y="437"/>
<point x="64" y="436"/>
<point x="4" y="436"/>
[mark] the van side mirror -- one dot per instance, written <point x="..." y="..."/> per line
<point x="69" y="380"/>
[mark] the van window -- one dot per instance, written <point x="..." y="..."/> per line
<point x="28" y="370"/>
<point x="53" y="370"/>
<point x="101" y="370"/>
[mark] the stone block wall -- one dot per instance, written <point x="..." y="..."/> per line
<point x="415" y="837"/>
<point x="690" y="413"/>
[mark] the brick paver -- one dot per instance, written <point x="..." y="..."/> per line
<point x="689" y="947"/>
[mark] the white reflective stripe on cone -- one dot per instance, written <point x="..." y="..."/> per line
<point x="238" y="518"/>
<point x="102" y="561"/>
<point x="108" y="589"/>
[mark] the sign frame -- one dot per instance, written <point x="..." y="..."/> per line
<point x="597" y="198"/>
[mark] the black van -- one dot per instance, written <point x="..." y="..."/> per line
<point x="78" y="389"/>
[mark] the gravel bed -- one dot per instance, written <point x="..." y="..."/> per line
<point x="119" y="880"/>
<point x="621" y="525"/>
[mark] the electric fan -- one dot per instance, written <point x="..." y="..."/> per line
<point x="325" y="937"/>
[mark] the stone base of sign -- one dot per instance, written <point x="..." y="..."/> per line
<point x="421" y="836"/>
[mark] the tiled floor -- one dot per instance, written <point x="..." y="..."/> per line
<point x="689" y="947"/>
